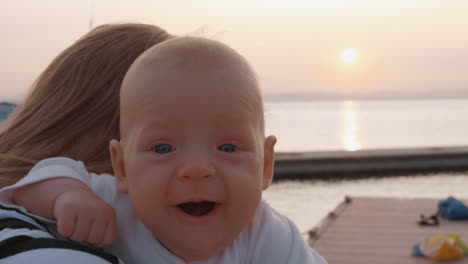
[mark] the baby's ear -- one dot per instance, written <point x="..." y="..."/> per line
<point x="268" y="161"/>
<point x="118" y="165"/>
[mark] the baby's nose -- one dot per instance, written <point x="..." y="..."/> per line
<point x="196" y="168"/>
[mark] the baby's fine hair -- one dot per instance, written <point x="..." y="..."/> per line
<point x="193" y="54"/>
<point x="72" y="109"/>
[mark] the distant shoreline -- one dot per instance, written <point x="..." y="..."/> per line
<point x="306" y="97"/>
<point x="310" y="97"/>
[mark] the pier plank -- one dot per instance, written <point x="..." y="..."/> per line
<point x="369" y="230"/>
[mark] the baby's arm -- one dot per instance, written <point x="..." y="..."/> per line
<point x="39" y="198"/>
<point x="57" y="188"/>
<point x="81" y="215"/>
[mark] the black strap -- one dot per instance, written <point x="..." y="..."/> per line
<point x="18" y="244"/>
<point x="15" y="223"/>
<point x="20" y="212"/>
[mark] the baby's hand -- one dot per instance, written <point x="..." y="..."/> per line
<point x="83" y="216"/>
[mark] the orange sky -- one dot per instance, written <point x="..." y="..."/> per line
<point x="406" y="47"/>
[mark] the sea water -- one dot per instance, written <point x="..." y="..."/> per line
<point x="354" y="125"/>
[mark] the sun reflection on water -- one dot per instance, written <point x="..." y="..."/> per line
<point x="350" y="126"/>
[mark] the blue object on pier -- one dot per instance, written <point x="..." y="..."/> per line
<point x="416" y="251"/>
<point x="453" y="209"/>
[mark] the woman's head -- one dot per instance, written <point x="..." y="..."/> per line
<point x="72" y="109"/>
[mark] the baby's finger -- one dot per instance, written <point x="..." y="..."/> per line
<point x="96" y="233"/>
<point x="82" y="228"/>
<point x="66" y="225"/>
<point x="111" y="233"/>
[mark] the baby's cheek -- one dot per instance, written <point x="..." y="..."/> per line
<point x="247" y="200"/>
<point x="248" y="185"/>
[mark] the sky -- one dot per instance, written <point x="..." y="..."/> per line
<point x="399" y="48"/>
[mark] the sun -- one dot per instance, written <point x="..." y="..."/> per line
<point x="349" y="56"/>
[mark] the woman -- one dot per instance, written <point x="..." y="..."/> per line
<point x="72" y="110"/>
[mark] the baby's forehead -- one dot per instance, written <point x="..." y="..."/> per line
<point x="184" y="56"/>
<point x="188" y="58"/>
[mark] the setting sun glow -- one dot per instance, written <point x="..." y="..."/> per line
<point x="349" y="56"/>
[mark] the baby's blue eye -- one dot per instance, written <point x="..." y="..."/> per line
<point x="163" y="148"/>
<point x="227" y="148"/>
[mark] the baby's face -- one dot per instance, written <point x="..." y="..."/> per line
<point x="194" y="162"/>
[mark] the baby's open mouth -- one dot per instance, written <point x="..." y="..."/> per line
<point x="197" y="208"/>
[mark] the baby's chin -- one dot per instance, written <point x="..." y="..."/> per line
<point x="203" y="250"/>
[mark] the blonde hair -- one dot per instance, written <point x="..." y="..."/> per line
<point x="72" y="109"/>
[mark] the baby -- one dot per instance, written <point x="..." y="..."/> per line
<point x="190" y="168"/>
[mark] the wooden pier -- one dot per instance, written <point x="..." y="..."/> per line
<point x="364" y="163"/>
<point x="379" y="231"/>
